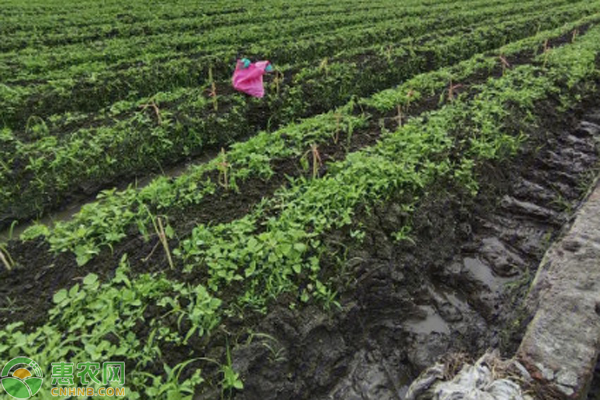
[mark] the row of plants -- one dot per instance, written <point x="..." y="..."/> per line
<point x="93" y="84"/>
<point x="114" y="50"/>
<point x="107" y="221"/>
<point x="92" y="15"/>
<point x="62" y="125"/>
<point x="150" y="23"/>
<point x="253" y="260"/>
<point x="38" y="175"/>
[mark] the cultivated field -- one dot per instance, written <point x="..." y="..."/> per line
<point x="307" y="245"/>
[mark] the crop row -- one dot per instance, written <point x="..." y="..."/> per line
<point x="254" y="259"/>
<point x="151" y="25"/>
<point x="105" y="222"/>
<point x="47" y="170"/>
<point x="146" y="77"/>
<point x="68" y="63"/>
<point x="63" y="124"/>
<point x="91" y="14"/>
<point x="248" y="31"/>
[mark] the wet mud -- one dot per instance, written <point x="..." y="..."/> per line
<point x="456" y="289"/>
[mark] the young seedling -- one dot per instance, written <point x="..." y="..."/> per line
<point x="36" y="126"/>
<point x="350" y="133"/>
<point x="271" y="343"/>
<point x="11" y="229"/>
<point x="12" y="305"/>
<point x="400" y="116"/>
<point x="152" y="104"/>
<point x="224" y="170"/>
<point x="324" y="65"/>
<point x="231" y="379"/>
<point x="388" y="53"/>
<point x="316" y="159"/>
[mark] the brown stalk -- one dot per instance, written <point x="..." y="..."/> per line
<point x="153" y="105"/>
<point x="505" y="64"/>
<point x="546" y="48"/>
<point x="316" y="159"/>
<point x="163" y="239"/>
<point x="399" y="117"/>
<point x="451" y="90"/>
<point x="6" y="259"/>
<point x="213" y="89"/>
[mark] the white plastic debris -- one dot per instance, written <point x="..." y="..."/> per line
<point x="473" y="382"/>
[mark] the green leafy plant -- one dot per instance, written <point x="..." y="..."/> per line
<point x="231" y="379"/>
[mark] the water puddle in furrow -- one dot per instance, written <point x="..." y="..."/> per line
<point x="432" y="322"/>
<point x="483" y="273"/>
<point x="445" y="315"/>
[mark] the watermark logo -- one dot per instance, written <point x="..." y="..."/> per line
<point x="88" y="373"/>
<point x="21" y="378"/>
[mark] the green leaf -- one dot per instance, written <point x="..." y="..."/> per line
<point x="73" y="291"/>
<point x="286" y="249"/>
<point x="252" y="243"/>
<point x="59" y="296"/>
<point x="301" y="247"/>
<point x="90" y="279"/>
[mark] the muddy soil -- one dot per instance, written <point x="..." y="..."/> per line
<point x="457" y="289"/>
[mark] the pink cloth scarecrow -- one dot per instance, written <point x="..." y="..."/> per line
<point x="250" y="79"/>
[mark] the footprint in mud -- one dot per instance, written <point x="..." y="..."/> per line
<point x="372" y="376"/>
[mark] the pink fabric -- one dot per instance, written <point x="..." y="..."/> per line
<point x="250" y="80"/>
